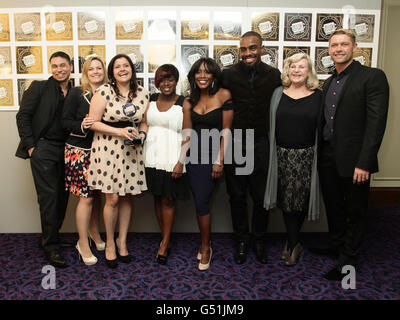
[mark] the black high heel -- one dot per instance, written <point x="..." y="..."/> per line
<point x="112" y="264"/>
<point x="162" y="259"/>
<point x="123" y="259"/>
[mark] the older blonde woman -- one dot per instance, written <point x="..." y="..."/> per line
<point x="292" y="183"/>
<point x="77" y="157"/>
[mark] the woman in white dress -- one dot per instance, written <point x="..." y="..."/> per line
<point x="165" y="175"/>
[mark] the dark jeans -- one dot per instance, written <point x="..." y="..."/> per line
<point x="47" y="164"/>
<point x="255" y="182"/>
<point x="346" y="206"/>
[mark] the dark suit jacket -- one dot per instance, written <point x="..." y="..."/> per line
<point x="360" y="119"/>
<point x="36" y="113"/>
<point x="76" y="107"/>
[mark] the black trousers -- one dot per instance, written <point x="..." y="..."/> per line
<point x="238" y="185"/>
<point x="346" y="206"/>
<point x="47" y="164"/>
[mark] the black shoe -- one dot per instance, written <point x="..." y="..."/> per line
<point x="55" y="259"/>
<point x="124" y="259"/>
<point x="240" y="254"/>
<point x="334" y="275"/>
<point x="112" y="264"/>
<point x="161" y="259"/>
<point x="65" y="244"/>
<point x="261" y="252"/>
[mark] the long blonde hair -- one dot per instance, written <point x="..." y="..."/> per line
<point x="85" y="84"/>
<point x="312" y="79"/>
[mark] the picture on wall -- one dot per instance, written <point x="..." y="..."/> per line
<point x="195" y="25"/>
<point x="270" y="56"/>
<point x="227" y="25"/>
<point x="323" y="61"/>
<point x="91" y="25"/>
<point x="59" y="26"/>
<point x="4" y="27"/>
<point x="29" y="60"/>
<point x="363" y="26"/>
<point x="129" y="25"/>
<point x="6" y="93"/>
<point x="89" y="51"/>
<point x="298" y="26"/>
<point x="289" y="51"/>
<point x="5" y="60"/>
<point x="226" y="56"/>
<point x="27" y="26"/>
<point x="266" y="24"/>
<point x="327" y="24"/>
<point x="190" y="54"/>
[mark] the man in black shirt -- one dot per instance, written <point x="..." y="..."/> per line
<point x="251" y="83"/>
<point x="352" y="127"/>
<point x="42" y="140"/>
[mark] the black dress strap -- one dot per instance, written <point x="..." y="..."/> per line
<point x="154" y="96"/>
<point x="227" y="105"/>
<point x="180" y="100"/>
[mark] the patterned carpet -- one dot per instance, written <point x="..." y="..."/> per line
<point x="21" y="274"/>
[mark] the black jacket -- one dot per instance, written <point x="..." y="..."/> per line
<point x="76" y="107"/>
<point x="36" y="113"/>
<point x="360" y="119"/>
<point x="251" y="103"/>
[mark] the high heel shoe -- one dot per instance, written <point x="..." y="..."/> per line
<point x="285" y="252"/>
<point x="112" y="264"/>
<point x="160" y="258"/>
<point x="123" y="259"/>
<point x="88" y="261"/>
<point x="199" y="253"/>
<point x="205" y="266"/>
<point x="296" y="256"/>
<point x="100" y="246"/>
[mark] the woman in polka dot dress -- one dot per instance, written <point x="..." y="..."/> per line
<point x="117" y="168"/>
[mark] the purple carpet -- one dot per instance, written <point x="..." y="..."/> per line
<point x="378" y="278"/>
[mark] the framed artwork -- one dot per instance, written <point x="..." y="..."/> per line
<point x="27" y="26"/>
<point x="298" y="26"/>
<point x="327" y="24"/>
<point x="266" y="24"/>
<point x="4" y="27"/>
<point x="226" y="56"/>
<point x="29" y="60"/>
<point x="5" y="60"/>
<point x="59" y="26"/>
<point x="91" y="25"/>
<point x="6" y="93"/>
<point x="129" y="25"/>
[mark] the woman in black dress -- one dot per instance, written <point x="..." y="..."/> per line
<point x="292" y="183"/>
<point x="77" y="157"/>
<point x="207" y="112"/>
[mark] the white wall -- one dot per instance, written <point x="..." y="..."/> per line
<point x="19" y="211"/>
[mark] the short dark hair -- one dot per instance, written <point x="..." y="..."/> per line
<point x="133" y="86"/>
<point x="252" y="34"/>
<point x="62" y="55"/>
<point x="165" y="71"/>
<point x="212" y="67"/>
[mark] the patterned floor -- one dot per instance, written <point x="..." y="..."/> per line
<point x="378" y="278"/>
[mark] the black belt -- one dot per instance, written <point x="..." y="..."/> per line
<point x="119" y="124"/>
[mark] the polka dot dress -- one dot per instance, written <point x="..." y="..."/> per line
<point x="115" y="167"/>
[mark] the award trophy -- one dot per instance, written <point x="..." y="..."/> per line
<point x="129" y="110"/>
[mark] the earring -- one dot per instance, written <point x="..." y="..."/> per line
<point x="212" y="84"/>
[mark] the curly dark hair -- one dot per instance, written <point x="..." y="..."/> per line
<point x="212" y="67"/>
<point x="133" y="86"/>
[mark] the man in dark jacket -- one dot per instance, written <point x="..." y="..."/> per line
<point x="353" y="123"/>
<point x="42" y="140"/>
<point x="251" y="83"/>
